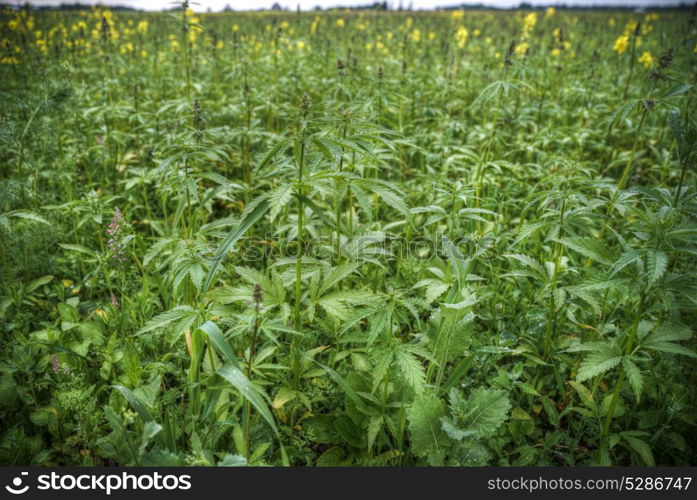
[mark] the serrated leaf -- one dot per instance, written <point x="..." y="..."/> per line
<point x="427" y="438"/>
<point x="412" y="369"/>
<point x="184" y="315"/>
<point x="603" y="359"/>
<point x="483" y="412"/>
<point x="656" y="265"/>
<point x="591" y="248"/>
<point x="278" y="199"/>
<point x="634" y="376"/>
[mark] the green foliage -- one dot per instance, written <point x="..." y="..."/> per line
<point x="457" y="435"/>
<point x="284" y="239"/>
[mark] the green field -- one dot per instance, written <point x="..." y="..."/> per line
<point x="348" y="238"/>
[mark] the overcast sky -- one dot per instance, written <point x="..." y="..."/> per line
<point x="309" y="4"/>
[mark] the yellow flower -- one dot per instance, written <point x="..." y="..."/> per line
<point x="461" y="36"/>
<point x="340" y="23"/>
<point x="630" y="27"/>
<point x="556" y="52"/>
<point x="556" y="33"/>
<point x="142" y="27"/>
<point x="416" y="35"/>
<point x="477" y="32"/>
<point x="300" y="44"/>
<point x="128" y="47"/>
<point x="621" y="44"/>
<point x="143" y="54"/>
<point x="522" y="48"/>
<point x="41" y="45"/>
<point x="431" y="35"/>
<point x="284" y="25"/>
<point x="67" y="283"/>
<point x="646" y="59"/>
<point x="457" y="15"/>
<point x="235" y="27"/>
<point x="550" y="12"/>
<point x="219" y="44"/>
<point x="529" y="22"/>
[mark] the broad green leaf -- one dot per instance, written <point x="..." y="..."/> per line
<point x="234" y="375"/>
<point x="138" y="405"/>
<point x="249" y="217"/>
<point x="641" y="447"/>
<point x="219" y="342"/>
<point x="636" y="380"/>
<point x="427" y="438"/>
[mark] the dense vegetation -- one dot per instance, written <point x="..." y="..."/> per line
<point x="371" y="238"/>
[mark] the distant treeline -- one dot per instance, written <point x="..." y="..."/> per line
<point x="374" y="6"/>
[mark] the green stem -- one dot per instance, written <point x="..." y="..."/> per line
<point x="621" y="184"/>
<point x="298" y="262"/>
<point x="620" y="380"/>
<point x="631" y="63"/>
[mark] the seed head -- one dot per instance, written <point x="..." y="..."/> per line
<point x="116" y="231"/>
<point x="305" y="104"/>
<point x="509" y="53"/>
<point x="105" y="28"/>
<point x="663" y="63"/>
<point x="258" y="294"/>
<point x="667" y="58"/>
<point x="198" y="120"/>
